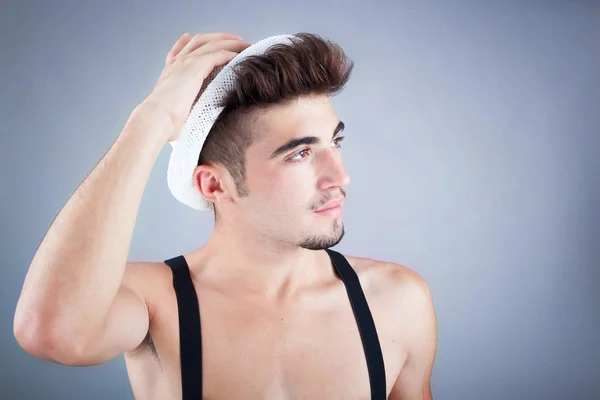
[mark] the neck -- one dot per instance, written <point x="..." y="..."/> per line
<point x="243" y="260"/>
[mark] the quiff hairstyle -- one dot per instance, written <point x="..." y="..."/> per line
<point x="309" y="66"/>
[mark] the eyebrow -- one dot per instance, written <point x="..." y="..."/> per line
<point x="293" y="143"/>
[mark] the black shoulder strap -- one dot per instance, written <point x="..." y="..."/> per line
<point x="366" y="325"/>
<point x="190" y="338"/>
<point x="190" y="346"/>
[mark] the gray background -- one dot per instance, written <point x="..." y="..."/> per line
<point x="472" y="143"/>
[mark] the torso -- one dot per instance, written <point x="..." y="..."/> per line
<point x="308" y="348"/>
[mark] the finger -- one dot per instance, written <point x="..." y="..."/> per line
<point x="234" y="45"/>
<point x="179" y="44"/>
<point x="203" y="38"/>
<point x="207" y="62"/>
<point x="221" y="57"/>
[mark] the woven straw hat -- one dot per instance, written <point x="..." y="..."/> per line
<point x="186" y="149"/>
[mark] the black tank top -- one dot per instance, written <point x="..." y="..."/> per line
<point x="190" y="338"/>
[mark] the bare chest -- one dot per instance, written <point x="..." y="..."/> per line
<point x="308" y="349"/>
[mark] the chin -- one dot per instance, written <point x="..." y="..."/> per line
<point x="323" y="240"/>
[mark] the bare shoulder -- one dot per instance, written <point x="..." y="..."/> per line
<point x="387" y="273"/>
<point x="399" y="294"/>
<point x="393" y="283"/>
<point x="403" y="310"/>
<point x="144" y="273"/>
<point x="150" y="280"/>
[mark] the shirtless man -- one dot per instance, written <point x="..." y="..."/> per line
<point x="278" y="320"/>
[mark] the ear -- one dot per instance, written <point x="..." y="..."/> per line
<point x="212" y="183"/>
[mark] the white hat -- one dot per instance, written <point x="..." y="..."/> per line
<point x="186" y="149"/>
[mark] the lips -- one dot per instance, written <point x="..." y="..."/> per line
<point x="332" y="203"/>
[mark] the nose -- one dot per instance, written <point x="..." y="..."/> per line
<point x="333" y="172"/>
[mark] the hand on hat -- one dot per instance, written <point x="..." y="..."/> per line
<point x="188" y="63"/>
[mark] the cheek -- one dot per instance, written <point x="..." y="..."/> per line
<point x="288" y="189"/>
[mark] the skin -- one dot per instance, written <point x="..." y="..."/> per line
<point x="276" y="321"/>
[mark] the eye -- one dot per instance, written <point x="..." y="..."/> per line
<point x="295" y="158"/>
<point x="338" y="140"/>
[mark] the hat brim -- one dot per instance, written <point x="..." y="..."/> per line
<point x="186" y="149"/>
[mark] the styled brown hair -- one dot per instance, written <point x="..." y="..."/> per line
<point x="309" y="66"/>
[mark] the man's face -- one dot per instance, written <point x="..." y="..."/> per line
<point x="286" y="187"/>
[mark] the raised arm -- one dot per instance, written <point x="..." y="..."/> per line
<point x="79" y="304"/>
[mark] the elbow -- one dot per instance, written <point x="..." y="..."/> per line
<point x="44" y="340"/>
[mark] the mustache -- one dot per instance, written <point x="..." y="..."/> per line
<point x="343" y="196"/>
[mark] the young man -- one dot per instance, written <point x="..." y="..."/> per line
<point x="264" y="310"/>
